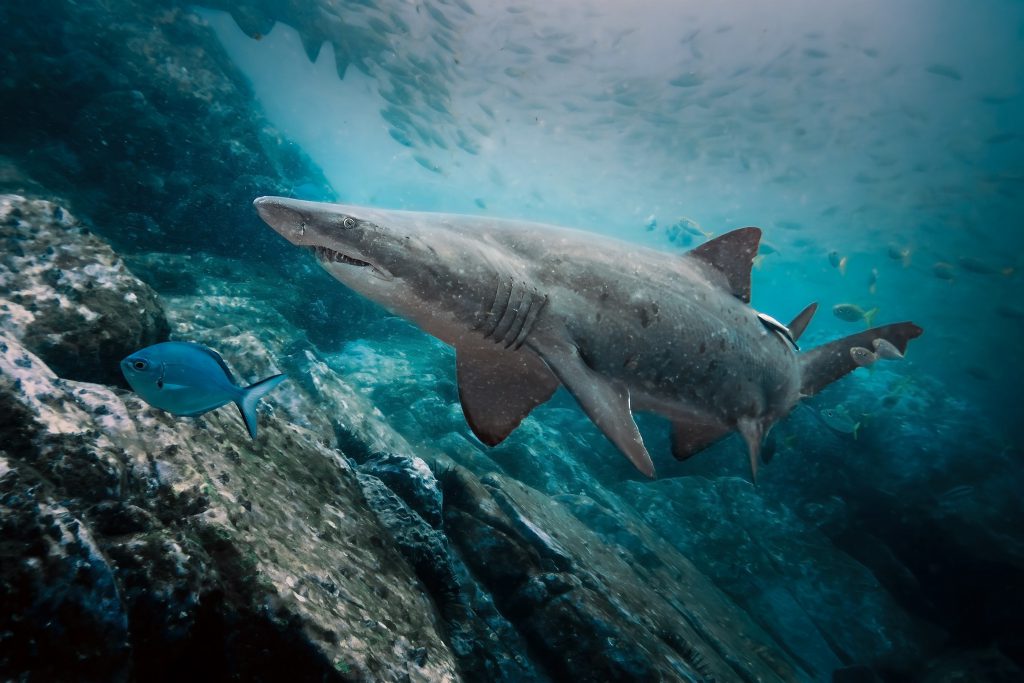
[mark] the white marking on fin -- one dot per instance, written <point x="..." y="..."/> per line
<point x="774" y="325"/>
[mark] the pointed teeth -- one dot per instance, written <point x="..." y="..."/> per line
<point x="331" y="256"/>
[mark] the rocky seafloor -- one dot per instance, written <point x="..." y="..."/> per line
<point x="141" y="546"/>
<point x="366" y="535"/>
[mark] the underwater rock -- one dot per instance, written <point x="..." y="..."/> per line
<point x="803" y="589"/>
<point x="589" y="613"/>
<point x="412" y="480"/>
<point x="151" y="118"/>
<point x="51" y="565"/>
<point x="180" y="547"/>
<point x="282" y="557"/>
<point x="68" y="297"/>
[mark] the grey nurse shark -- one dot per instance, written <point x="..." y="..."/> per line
<point x="529" y="307"/>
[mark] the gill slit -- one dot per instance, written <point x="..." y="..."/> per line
<point x="511" y="313"/>
<point x="529" y="320"/>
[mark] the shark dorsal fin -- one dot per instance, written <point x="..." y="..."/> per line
<point x="799" y="323"/>
<point x="732" y="254"/>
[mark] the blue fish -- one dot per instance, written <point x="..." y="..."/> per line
<point x="190" y="379"/>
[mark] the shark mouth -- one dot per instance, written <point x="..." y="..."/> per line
<point x="325" y="255"/>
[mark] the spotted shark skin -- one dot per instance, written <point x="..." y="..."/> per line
<point x="529" y="307"/>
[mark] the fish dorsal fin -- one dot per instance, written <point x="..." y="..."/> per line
<point x="802" y="319"/>
<point x="732" y="254"/>
<point x="499" y="388"/>
<point x="217" y="357"/>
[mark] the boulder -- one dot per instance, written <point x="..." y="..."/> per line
<point x="823" y="606"/>
<point x="143" y="545"/>
<point x="68" y="297"/>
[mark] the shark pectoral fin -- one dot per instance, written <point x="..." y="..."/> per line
<point x="500" y="388"/>
<point x="605" y="403"/>
<point x="690" y="438"/>
<point x="753" y="433"/>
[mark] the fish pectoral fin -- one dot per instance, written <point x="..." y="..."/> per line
<point x="498" y="389"/>
<point x="605" y="402"/>
<point x="689" y="437"/>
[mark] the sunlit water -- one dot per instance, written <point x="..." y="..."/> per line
<point x="885" y="139"/>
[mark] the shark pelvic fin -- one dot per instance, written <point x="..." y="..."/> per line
<point x="752" y="432"/>
<point x="690" y="438"/>
<point x="605" y="403"/>
<point x="500" y="388"/>
<point x="802" y="319"/>
<point x="732" y="254"/>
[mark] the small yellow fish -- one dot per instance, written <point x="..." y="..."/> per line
<point x="944" y="271"/>
<point x="862" y="357"/>
<point x="886" y="350"/>
<point x="838" y="262"/>
<point x="852" y="313"/>
<point x="898" y="253"/>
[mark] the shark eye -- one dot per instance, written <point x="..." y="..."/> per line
<point x="140" y="365"/>
<point x="348" y="222"/>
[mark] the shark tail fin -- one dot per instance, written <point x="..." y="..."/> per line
<point x="800" y="322"/>
<point x="251" y="395"/>
<point x="824" y="364"/>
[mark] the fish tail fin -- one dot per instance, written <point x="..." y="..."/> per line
<point x="251" y="395"/>
<point x="824" y="364"/>
<point x="869" y="317"/>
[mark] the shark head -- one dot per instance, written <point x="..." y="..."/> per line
<point x="416" y="269"/>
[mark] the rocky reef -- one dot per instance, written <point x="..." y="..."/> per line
<point x="132" y="112"/>
<point x="140" y="546"/>
<point x="366" y="535"/>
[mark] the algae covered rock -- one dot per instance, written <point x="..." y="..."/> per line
<point x="67" y="296"/>
<point x="775" y="565"/>
<point x="590" y="613"/>
<point x="177" y="546"/>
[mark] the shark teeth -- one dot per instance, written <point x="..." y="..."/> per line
<point x="329" y="255"/>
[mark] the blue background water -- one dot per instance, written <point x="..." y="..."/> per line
<point x="885" y="134"/>
<point x="867" y="129"/>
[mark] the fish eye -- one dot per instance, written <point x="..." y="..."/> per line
<point x="349" y="222"/>
<point x="140" y="365"/>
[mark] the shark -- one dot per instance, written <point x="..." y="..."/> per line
<point x="530" y="307"/>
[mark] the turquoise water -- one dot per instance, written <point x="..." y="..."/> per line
<point x="878" y="145"/>
<point x="888" y="135"/>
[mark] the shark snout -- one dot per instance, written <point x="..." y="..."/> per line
<point x="284" y="216"/>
